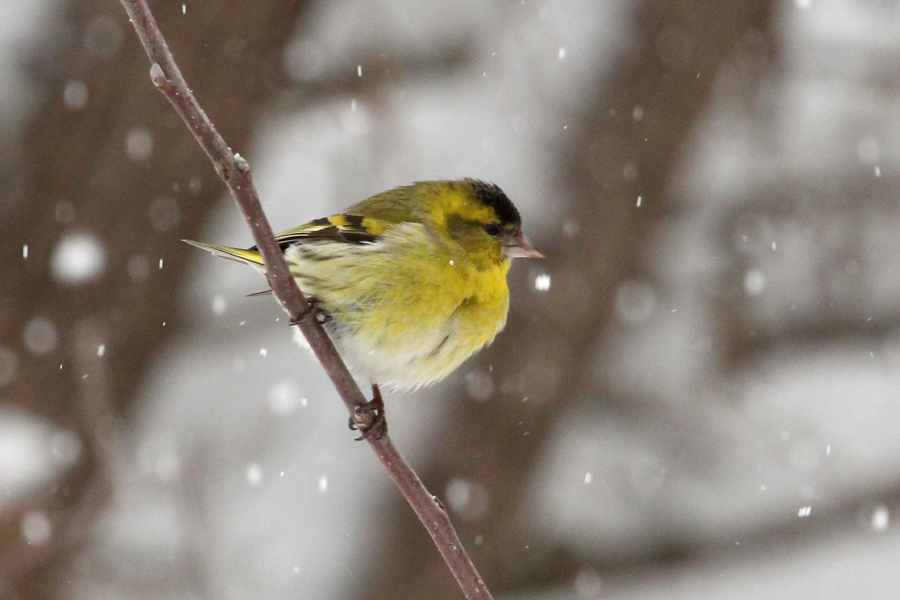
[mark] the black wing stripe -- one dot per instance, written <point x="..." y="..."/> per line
<point x="360" y="237"/>
<point x="331" y="233"/>
<point x="323" y="229"/>
<point x="355" y="222"/>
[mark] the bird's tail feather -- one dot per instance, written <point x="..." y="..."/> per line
<point x="249" y="257"/>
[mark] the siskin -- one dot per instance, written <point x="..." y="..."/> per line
<point x="410" y="282"/>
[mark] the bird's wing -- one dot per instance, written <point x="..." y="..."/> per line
<point x="342" y="228"/>
<point x="350" y="229"/>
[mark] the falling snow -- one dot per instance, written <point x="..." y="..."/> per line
<point x="65" y="448"/>
<point x="754" y="282"/>
<point x="40" y="336"/>
<point x="164" y="213"/>
<point x="78" y="257"/>
<point x="283" y="398"/>
<point x="881" y="518"/>
<point x="254" y="474"/>
<point x="479" y="385"/>
<point x="75" y="95"/>
<point x="139" y="144"/>
<point x="219" y="305"/>
<point x="36" y="527"/>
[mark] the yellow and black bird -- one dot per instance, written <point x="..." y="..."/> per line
<point x="410" y="282"/>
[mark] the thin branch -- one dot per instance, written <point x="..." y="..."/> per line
<point x="235" y="172"/>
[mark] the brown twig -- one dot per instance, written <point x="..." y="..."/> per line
<point x="235" y="172"/>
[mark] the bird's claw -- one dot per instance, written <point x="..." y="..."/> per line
<point x="368" y="418"/>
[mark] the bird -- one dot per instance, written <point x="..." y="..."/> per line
<point x="408" y="283"/>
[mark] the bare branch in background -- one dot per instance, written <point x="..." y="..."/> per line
<point x="235" y="171"/>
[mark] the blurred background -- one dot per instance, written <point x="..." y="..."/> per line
<point x="698" y="391"/>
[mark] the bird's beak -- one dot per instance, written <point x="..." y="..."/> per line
<point x="521" y="247"/>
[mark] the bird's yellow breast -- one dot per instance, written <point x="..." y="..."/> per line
<point x="412" y="323"/>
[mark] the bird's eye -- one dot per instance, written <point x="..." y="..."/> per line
<point x="492" y="229"/>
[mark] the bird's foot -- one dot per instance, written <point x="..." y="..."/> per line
<point x="368" y="418"/>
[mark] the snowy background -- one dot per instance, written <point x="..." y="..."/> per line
<point x="697" y="395"/>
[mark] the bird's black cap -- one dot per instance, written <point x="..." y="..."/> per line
<point x="491" y="195"/>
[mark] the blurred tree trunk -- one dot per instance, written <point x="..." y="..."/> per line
<point x="105" y="156"/>
<point x="623" y="146"/>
